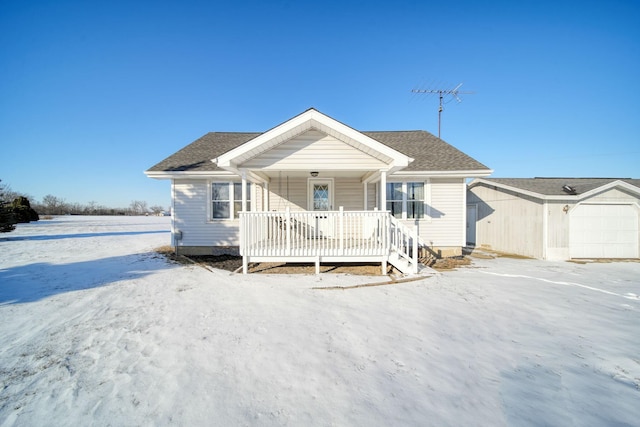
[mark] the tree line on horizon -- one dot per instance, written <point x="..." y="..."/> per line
<point x="16" y="207"/>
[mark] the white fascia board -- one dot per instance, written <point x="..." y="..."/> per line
<point x="569" y="197"/>
<point x="478" y="181"/>
<point x="370" y="177"/>
<point x="188" y="175"/>
<point x="254" y="176"/>
<point x="445" y="174"/>
<point x="612" y="184"/>
<point x="401" y="174"/>
<point x="307" y="120"/>
<point x="256" y="143"/>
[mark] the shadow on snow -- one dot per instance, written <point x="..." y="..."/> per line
<point x="33" y="282"/>
<point x="80" y="235"/>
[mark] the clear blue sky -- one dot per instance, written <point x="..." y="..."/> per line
<point x="92" y="93"/>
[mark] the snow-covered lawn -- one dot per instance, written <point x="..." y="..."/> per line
<point x="96" y="329"/>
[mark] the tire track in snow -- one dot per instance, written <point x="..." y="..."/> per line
<point x="591" y="288"/>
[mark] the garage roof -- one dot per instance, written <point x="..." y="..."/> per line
<point x="557" y="186"/>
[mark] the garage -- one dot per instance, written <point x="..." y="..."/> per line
<point x="603" y="231"/>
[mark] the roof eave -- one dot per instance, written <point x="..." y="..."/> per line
<point x="187" y="174"/>
<point x="571" y="197"/>
<point x="472" y="173"/>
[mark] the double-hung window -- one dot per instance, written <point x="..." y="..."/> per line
<point x="394" y="198"/>
<point x="226" y="199"/>
<point x="406" y="200"/>
<point x="415" y="199"/>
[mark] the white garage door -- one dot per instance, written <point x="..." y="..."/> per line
<point x="603" y="231"/>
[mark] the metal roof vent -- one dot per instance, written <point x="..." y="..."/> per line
<point x="569" y="189"/>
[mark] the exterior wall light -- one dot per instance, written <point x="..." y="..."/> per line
<point x="313" y="174"/>
<point x="565" y="209"/>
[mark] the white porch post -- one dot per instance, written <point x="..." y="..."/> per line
<point x="366" y="201"/>
<point x="244" y="191"/>
<point x="383" y="207"/>
<point x="383" y="191"/>
<point x="243" y="224"/>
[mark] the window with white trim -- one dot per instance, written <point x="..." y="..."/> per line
<point x="415" y="200"/>
<point x="406" y="200"/>
<point x="394" y="198"/>
<point x="226" y="199"/>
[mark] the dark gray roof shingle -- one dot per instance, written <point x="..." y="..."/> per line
<point x="553" y="186"/>
<point x="430" y="153"/>
<point x="196" y="157"/>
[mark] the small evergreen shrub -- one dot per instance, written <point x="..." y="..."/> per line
<point x="23" y="211"/>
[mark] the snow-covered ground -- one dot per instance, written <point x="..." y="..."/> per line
<point x="96" y="329"/>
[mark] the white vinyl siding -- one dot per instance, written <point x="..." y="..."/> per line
<point x="311" y="148"/>
<point x="443" y="225"/>
<point x="508" y="222"/>
<point x="348" y="193"/>
<point x="292" y="192"/>
<point x="604" y="225"/>
<point x="191" y="216"/>
<point x="288" y="192"/>
<point x="372" y="200"/>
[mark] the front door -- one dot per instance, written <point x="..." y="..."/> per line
<point x="321" y="200"/>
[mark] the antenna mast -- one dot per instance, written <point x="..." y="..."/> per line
<point x="441" y="93"/>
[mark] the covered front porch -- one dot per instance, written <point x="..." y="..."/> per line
<point x="327" y="236"/>
<point x="320" y="196"/>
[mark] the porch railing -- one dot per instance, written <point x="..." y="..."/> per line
<point x="313" y="235"/>
<point x="404" y="244"/>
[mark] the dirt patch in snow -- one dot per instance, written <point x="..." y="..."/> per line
<point x="451" y="263"/>
<point x="234" y="263"/>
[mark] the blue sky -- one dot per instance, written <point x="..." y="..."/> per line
<point x="92" y="93"/>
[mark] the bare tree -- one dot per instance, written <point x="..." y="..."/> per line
<point x="157" y="210"/>
<point x="91" y="207"/>
<point x="54" y="205"/>
<point x="138" y="207"/>
<point x="8" y="195"/>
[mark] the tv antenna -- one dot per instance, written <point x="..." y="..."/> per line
<point x="441" y="94"/>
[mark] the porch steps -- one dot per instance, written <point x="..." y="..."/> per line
<point x="405" y="267"/>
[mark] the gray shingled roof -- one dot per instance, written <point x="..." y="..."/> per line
<point x="196" y="157"/>
<point x="553" y="186"/>
<point x="430" y="153"/>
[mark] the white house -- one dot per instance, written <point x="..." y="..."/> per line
<point x="556" y="218"/>
<point x="313" y="189"/>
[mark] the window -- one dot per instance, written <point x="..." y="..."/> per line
<point x="226" y="196"/>
<point x="394" y="198"/>
<point x="415" y="199"/>
<point x="406" y="199"/>
<point x="237" y="192"/>
<point x="221" y="200"/>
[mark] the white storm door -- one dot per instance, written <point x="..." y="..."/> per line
<point x="321" y="200"/>
<point x="472" y="217"/>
